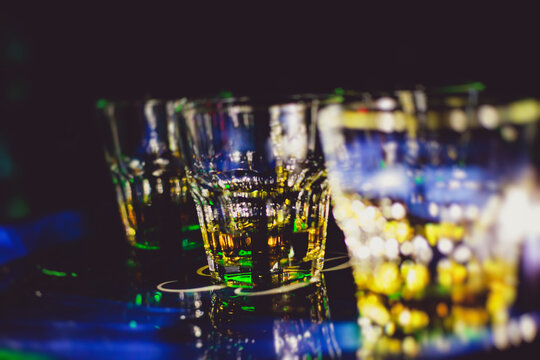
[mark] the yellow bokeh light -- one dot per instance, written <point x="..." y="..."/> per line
<point x="399" y="230"/>
<point x="386" y="279"/>
<point x="417" y="278"/>
<point x="371" y="307"/>
<point x="459" y="273"/>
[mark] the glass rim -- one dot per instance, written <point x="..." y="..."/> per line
<point x="260" y="101"/>
<point x="104" y="103"/>
<point x="456" y="111"/>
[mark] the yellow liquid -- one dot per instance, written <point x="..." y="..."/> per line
<point x="155" y="210"/>
<point x="232" y="249"/>
<point x="293" y="254"/>
<point x="417" y="280"/>
<point x="273" y="228"/>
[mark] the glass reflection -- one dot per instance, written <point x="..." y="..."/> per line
<point x="291" y="325"/>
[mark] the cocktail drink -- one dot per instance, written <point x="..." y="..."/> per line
<point x="422" y="188"/>
<point x="255" y="170"/>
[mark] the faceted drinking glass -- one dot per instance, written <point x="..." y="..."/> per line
<point x="142" y="152"/>
<point x="255" y="170"/>
<point x="423" y="187"/>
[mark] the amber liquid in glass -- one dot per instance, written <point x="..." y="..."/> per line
<point x="420" y="279"/>
<point x="255" y="231"/>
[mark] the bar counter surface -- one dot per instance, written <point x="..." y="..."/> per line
<point x="67" y="302"/>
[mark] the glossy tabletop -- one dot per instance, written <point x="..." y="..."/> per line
<point x="69" y="303"/>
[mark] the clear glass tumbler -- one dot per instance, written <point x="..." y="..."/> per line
<point x="255" y="169"/>
<point x="143" y="155"/>
<point x="423" y="187"/>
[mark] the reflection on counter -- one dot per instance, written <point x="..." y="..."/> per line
<point x="297" y="324"/>
<point x="147" y="315"/>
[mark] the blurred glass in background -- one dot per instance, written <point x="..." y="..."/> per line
<point x="430" y="192"/>
<point x="147" y="170"/>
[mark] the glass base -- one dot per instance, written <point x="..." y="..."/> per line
<point x="279" y="275"/>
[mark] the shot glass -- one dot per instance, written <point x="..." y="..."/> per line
<point x="424" y="187"/>
<point x="143" y="155"/>
<point x="255" y="169"/>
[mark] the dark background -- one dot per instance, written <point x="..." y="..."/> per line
<point x="56" y="62"/>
